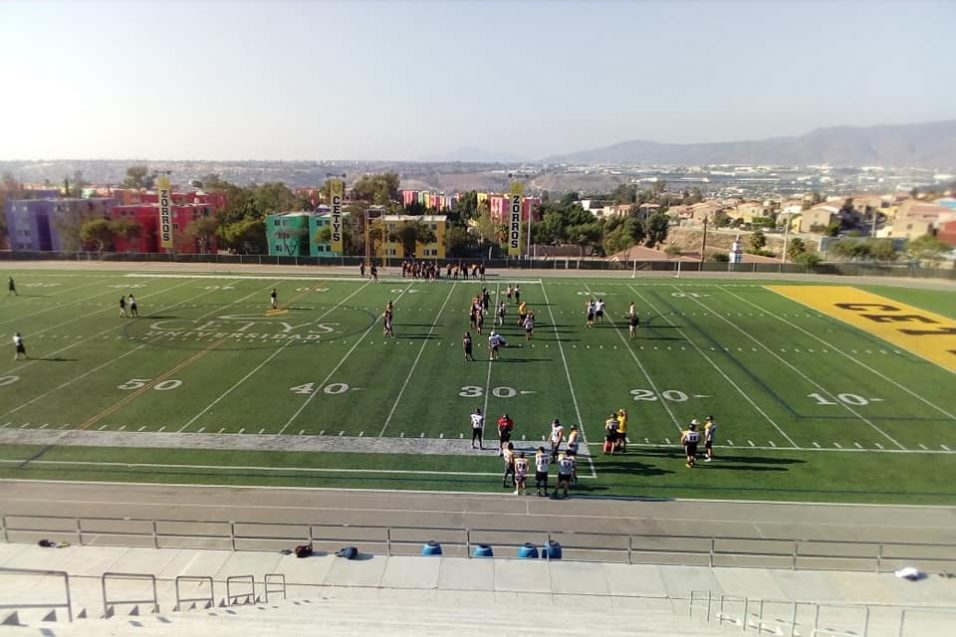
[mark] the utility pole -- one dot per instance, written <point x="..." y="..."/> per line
<point x="703" y="243"/>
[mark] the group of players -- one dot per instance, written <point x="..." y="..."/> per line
<point x="517" y="465"/>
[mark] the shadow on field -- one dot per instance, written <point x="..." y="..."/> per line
<point x="632" y="467"/>
<point x="57" y="359"/>
<point x="521" y="360"/>
<point x="726" y="462"/>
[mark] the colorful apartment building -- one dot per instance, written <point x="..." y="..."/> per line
<point x="435" y="250"/>
<point x="293" y="234"/>
<point x="52" y="224"/>
<point x="500" y="208"/>
<point x="146" y="215"/>
<point x="432" y="201"/>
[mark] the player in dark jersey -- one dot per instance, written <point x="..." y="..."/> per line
<point x="467" y="345"/>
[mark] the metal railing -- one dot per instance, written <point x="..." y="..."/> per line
<point x="278" y="582"/>
<point x="232" y="599"/>
<point x="108" y="603"/>
<point x="68" y="604"/>
<point x="209" y="600"/>
<point x="807" y="618"/>
<point x="794" y="554"/>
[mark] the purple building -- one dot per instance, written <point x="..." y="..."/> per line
<point x="51" y="224"/>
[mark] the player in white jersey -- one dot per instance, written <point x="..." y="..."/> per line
<point x="542" y="460"/>
<point x="18" y="346"/>
<point x="477" y="428"/>
<point x="556" y="438"/>
<point x="565" y="473"/>
<point x="710" y="432"/>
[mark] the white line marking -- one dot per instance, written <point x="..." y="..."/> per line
<point x="799" y="372"/>
<point x="61" y="305"/>
<point x="719" y="371"/>
<point x="855" y="360"/>
<point x="837" y="445"/>
<point x="263" y="363"/>
<point x="355" y="345"/>
<point x="567" y="374"/>
<point x="101" y="332"/>
<point x="411" y="372"/>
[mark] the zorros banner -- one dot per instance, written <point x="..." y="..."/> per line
<point x="514" y="224"/>
<point x="165" y="213"/>
<point x="336" y="193"/>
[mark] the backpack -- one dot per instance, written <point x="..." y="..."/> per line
<point x="348" y="552"/>
<point x="303" y="550"/>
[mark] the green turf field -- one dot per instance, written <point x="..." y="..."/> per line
<point x="809" y="408"/>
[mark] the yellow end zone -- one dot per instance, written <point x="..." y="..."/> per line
<point x="923" y="333"/>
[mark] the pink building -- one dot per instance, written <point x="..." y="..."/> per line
<point x="500" y="208"/>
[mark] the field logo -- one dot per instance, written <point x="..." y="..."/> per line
<point x="514" y="225"/>
<point x="336" y="194"/>
<point x="923" y="333"/>
<point x="165" y="213"/>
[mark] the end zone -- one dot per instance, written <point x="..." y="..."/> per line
<point x="926" y="334"/>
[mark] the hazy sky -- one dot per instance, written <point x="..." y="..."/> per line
<point x="415" y="80"/>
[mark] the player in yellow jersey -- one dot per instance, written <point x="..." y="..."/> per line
<point x="622" y="430"/>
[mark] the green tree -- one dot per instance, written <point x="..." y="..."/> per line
<point x="202" y="230"/>
<point x="377" y="189"/>
<point x="460" y="242"/>
<point x="757" y="241"/>
<point x="927" y="248"/>
<point x="138" y="176"/>
<point x="97" y="232"/>
<point x="795" y="248"/>
<point x="672" y="251"/>
<point x="126" y="229"/>
<point x="352" y="243"/>
<point x="586" y="236"/>
<point x="245" y="235"/>
<point x="657" y="226"/>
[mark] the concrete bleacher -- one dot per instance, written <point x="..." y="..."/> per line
<point x="406" y="595"/>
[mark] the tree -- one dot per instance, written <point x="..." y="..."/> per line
<point x="378" y="189"/>
<point x="586" y="236"/>
<point x="927" y="248"/>
<point x="657" y="225"/>
<point x="126" y="229"/>
<point x="247" y="235"/>
<point x="795" y="248"/>
<point x="672" y="251"/>
<point x="460" y="243"/>
<point x="138" y="176"/>
<point x="202" y="230"/>
<point x="832" y="229"/>
<point x="467" y="206"/>
<point x="98" y="232"/>
<point x="757" y="241"/>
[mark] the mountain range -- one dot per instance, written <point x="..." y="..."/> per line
<point x="927" y="145"/>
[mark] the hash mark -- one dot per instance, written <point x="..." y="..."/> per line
<point x="837" y="445"/>
<point x="141" y="428"/>
<point x="751" y="443"/>
<point x="164" y="427"/>
<point x="922" y="446"/>
<point x="858" y="445"/>
<point x="944" y="447"/>
<point x="878" y="445"/>
<point x="200" y="430"/>
<point x="262" y="431"/>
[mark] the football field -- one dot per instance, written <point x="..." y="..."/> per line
<point x="821" y="392"/>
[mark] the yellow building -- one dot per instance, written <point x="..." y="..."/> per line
<point x="436" y="223"/>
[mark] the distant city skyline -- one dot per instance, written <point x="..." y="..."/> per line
<point x="428" y="80"/>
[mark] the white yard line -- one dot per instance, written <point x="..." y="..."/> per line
<point x="421" y="350"/>
<point x="717" y="367"/>
<point x="132" y="351"/>
<point x="265" y="362"/>
<point x="60" y="305"/>
<point x="799" y="372"/>
<point x="144" y="465"/>
<point x="839" y="351"/>
<point x="488" y="377"/>
<point x="640" y="365"/>
<point x="336" y="368"/>
<point x="295" y="277"/>
<point x="101" y="332"/>
<point x="567" y="374"/>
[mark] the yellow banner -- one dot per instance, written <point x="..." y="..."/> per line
<point x="336" y="193"/>
<point x="923" y="333"/>
<point x="514" y="223"/>
<point x="165" y="192"/>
